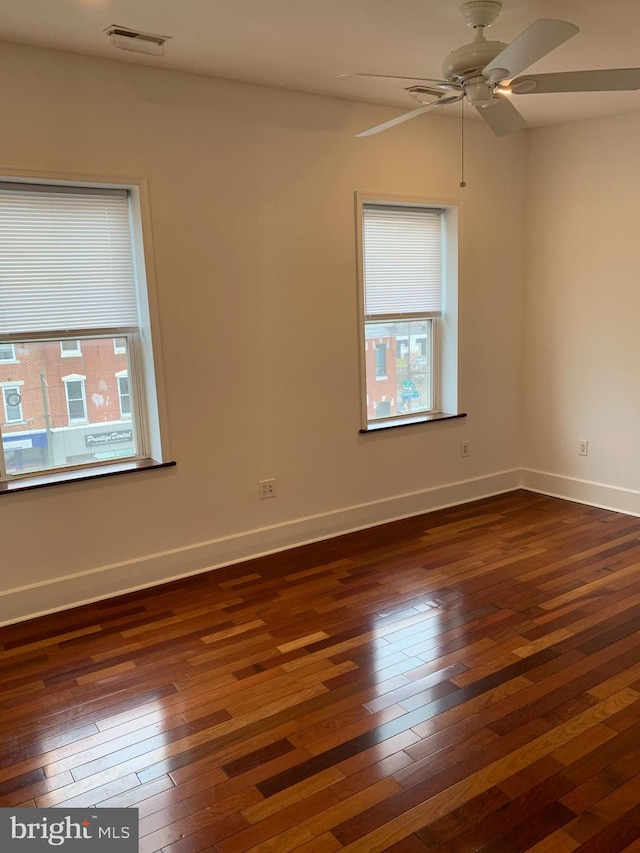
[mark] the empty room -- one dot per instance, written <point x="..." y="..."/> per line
<point x="319" y="482"/>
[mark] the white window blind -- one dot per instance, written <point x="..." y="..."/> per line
<point x="402" y="267"/>
<point x="65" y="260"/>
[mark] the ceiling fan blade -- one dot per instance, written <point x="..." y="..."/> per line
<point x="411" y="114"/>
<point x="536" y="41"/>
<point x="503" y="118"/>
<point x="444" y="84"/>
<point x="606" y="80"/>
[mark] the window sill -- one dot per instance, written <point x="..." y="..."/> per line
<point x="412" y="421"/>
<point x="40" y="481"/>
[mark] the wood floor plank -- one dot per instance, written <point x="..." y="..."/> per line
<point x="415" y="818"/>
<point x="460" y="681"/>
<point x="200" y="795"/>
<point x="556" y="842"/>
<point x="195" y="834"/>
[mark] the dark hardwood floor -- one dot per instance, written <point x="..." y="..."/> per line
<point x="468" y="680"/>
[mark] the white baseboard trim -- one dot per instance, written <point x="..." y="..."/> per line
<point x="61" y="593"/>
<point x="599" y="495"/>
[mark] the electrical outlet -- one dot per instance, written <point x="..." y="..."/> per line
<point x="583" y="447"/>
<point x="464" y="448"/>
<point x="267" y="488"/>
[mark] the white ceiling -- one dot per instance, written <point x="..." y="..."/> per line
<point x="305" y="44"/>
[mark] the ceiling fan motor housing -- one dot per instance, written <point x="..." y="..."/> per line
<point x="469" y="60"/>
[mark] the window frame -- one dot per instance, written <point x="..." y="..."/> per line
<point x="14" y="386"/>
<point x="444" y="328"/>
<point x="13" y="359"/>
<point x="149" y="397"/>
<point x="81" y="380"/>
<point x="381" y="363"/>
<point x="70" y="353"/>
<point x="124" y="374"/>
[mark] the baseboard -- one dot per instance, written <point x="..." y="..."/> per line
<point x="107" y="581"/>
<point x="599" y="495"/>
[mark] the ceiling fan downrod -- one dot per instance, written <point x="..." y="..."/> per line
<point x="465" y="64"/>
<point x="463" y="183"/>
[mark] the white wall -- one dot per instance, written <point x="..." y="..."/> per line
<point x="582" y="311"/>
<point x="253" y="219"/>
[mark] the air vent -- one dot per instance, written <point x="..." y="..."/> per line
<point x="139" y="42"/>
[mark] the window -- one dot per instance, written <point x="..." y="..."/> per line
<point x="81" y="290"/>
<point x="7" y="352"/>
<point x="381" y="361"/>
<point x="402" y="347"/>
<point x="76" y="399"/>
<point x="408" y="342"/>
<point x="70" y="348"/>
<point x="12" y="404"/>
<point x="124" y="395"/>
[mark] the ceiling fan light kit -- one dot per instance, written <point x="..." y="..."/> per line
<point x="486" y="73"/>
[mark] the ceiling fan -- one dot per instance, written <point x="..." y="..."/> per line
<point x="486" y="72"/>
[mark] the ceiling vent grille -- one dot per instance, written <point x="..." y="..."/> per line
<point x="127" y="39"/>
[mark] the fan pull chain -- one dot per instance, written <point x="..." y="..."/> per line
<point x="463" y="183"/>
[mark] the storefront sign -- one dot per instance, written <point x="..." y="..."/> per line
<point x="95" y="439"/>
<point x="25" y="441"/>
